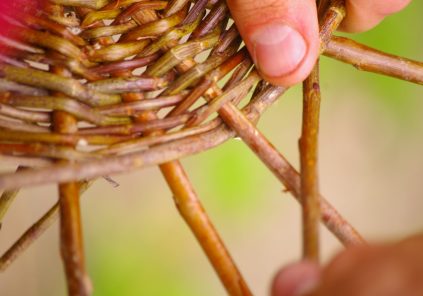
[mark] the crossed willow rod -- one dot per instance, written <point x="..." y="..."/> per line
<point x="378" y="62"/>
<point x="330" y="14"/>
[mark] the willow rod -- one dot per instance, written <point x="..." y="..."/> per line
<point x="308" y="162"/>
<point x="71" y="239"/>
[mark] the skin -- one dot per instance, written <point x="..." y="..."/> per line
<point x="380" y="270"/>
<point x="293" y="65"/>
<point x="282" y="37"/>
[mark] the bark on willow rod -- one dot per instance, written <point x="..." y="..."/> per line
<point x="308" y="159"/>
<point x="369" y="59"/>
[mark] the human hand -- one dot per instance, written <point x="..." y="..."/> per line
<point x="384" y="270"/>
<point x="282" y="35"/>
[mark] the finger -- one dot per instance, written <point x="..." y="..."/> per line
<point x="372" y="270"/>
<point x="363" y="15"/>
<point x="296" y="279"/>
<point x="281" y="36"/>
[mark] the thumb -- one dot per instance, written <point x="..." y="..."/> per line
<point x="281" y="36"/>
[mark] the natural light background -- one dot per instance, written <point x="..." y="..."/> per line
<point x="371" y="168"/>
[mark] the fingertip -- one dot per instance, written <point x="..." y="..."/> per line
<point x="296" y="279"/>
<point x="283" y="54"/>
<point x="278" y="49"/>
<point x="362" y="15"/>
<point x="298" y="74"/>
<point x="281" y="36"/>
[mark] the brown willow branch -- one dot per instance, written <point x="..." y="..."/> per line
<point x="34" y="232"/>
<point x="331" y="13"/>
<point x="308" y="160"/>
<point x="284" y="171"/>
<point x="192" y="211"/>
<point x="71" y="241"/>
<point x="372" y="60"/>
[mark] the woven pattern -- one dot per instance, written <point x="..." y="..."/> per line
<point x="95" y="87"/>
<point x="108" y="75"/>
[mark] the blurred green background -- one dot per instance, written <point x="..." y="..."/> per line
<point x="371" y="166"/>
